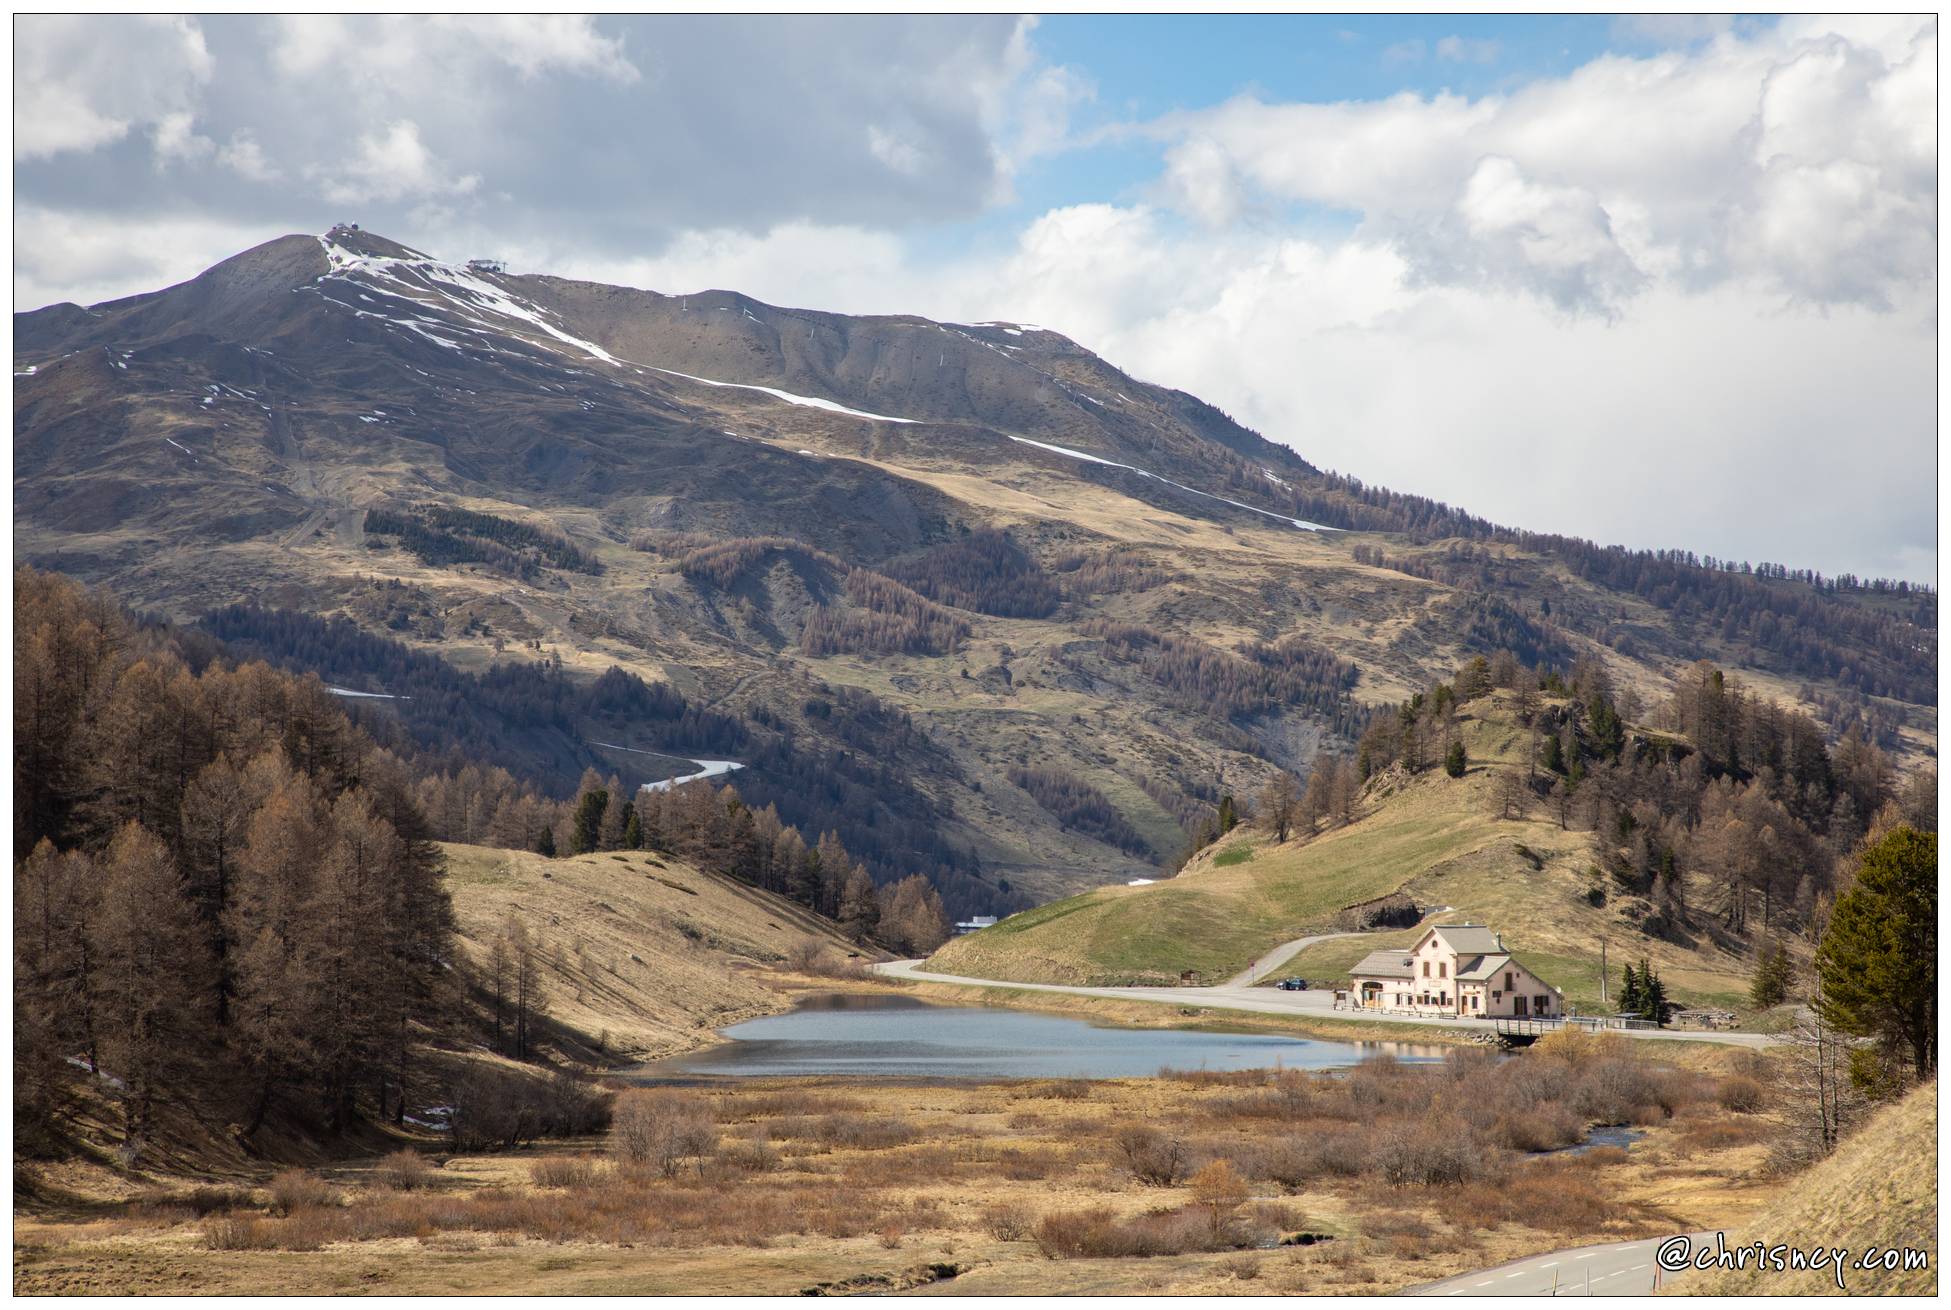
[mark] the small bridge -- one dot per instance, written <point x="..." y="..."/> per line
<point x="1523" y="1032"/>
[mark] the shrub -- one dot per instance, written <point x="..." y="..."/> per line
<point x="1006" y="1222"/>
<point x="237" y="1233"/>
<point x="1562" y="1195"/>
<point x="1099" y="1233"/>
<point x="1151" y="1157"/>
<point x="1219" y="1191"/>
<point x="295" y="1190"/>
<point x="1342" y="1152"/>
<point x="196" y="1203"/>
<point x="1544" y="1127"/>
<point x="1246" y="1268"/>
<point x="661" y="1129"/>
<point x="405" y="1169"/>
<point x="752" y="1155"/>
<point x="1742" y="1095"/>
<point x="562" y="1171"/>
<point x="1618" y="1091"/>
<point x="1064" y="1089"/>
<point x="1427" y="1153"/>
<point x="810" y="956"/>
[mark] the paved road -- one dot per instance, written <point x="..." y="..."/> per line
<point x="1267" y="1000"/>
<point x="1616" y="1269"/>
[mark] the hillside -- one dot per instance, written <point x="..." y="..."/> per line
<point x="1437" y="840"/>
<point x="1022" y="555"/>
<point x="642" y="955"/>
<point x="1879" y="1190"/>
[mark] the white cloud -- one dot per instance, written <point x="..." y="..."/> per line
<point x="1802" y="157"/>
<point x="380" y="51"/>
<point x="390" y="165"/>
<point x="176" y="140"/>
<point x="1466" y="50"/>
<point x="84" y="258"/>
<point x="245" y="157"/>
<point x="81" y="82"/>
<point x="897" y="153"/>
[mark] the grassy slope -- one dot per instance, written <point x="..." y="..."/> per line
<point x="643" y="955"/>
<point x="1879" y="1189"/>
<point x="1434" y="837"/>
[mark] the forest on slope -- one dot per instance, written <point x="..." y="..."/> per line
<point x="231" y="907"/>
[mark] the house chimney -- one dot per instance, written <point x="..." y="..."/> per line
<point x="1500" y="941"/>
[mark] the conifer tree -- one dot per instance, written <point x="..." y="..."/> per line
<point x="1878" y="957"/>
<point x="1652" y="995"/>
<point x="1454" y="760"/>
<point x="589" y="820"/>
<point x="1773" y="977"/>
<point x="1629" y="992"/>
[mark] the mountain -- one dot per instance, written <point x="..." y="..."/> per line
<point x="1048" y="612"/>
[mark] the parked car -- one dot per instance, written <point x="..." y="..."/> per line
<point x="1292" y="984"/>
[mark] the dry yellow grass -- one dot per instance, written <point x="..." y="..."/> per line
<point x="1878" y="1190"/>
<point x="643" y="954"/>
<point x="966" y="1150"/>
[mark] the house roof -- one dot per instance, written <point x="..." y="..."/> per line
<point x="1469" y="939"/>
<point x="1383" y="964"/>
<point x="1480" y="966"/>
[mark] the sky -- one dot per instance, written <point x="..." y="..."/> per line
<point x="1666" y="282"/>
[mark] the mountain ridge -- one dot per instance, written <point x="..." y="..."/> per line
<point x="229" y="438"/>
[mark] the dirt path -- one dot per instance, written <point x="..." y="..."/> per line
<point x="1280" y="954"/>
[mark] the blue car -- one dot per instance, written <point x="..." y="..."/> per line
<point x="1292" y="984"/>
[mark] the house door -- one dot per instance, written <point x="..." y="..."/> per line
<point x="1520" y="1003"/>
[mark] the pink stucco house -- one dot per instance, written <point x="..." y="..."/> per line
<point x="1456" y="971"/>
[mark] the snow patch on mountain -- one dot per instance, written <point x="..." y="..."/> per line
<point x="1068" y="453"/>
<point x="809" y="402"/>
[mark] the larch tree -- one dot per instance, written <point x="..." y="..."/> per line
<point x="148" y="960"/>
<point x="1280" y="804"/>
<point x="216" y="814"/>
<point x="274" y="966"/>
<point x="860" y="909"/>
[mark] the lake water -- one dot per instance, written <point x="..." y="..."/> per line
<point x="897" y="1036"/>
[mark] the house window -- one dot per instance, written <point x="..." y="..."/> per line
<point x="1443" y="969"/>
<point x="1425" y="968"/>
<point x="1507" y="983"/>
